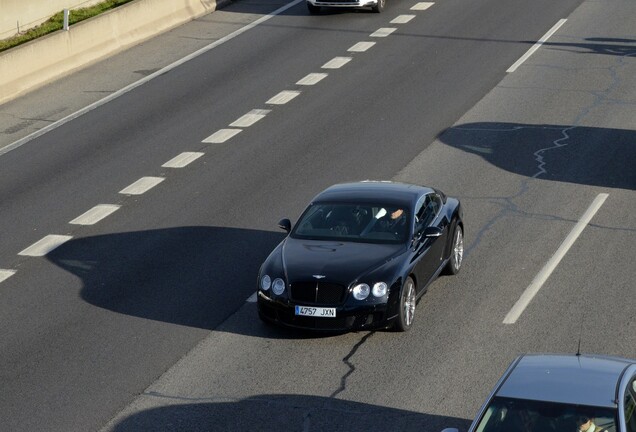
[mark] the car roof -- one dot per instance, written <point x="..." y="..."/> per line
<point x="580" y="380"/>
<point x="374" y="191"/>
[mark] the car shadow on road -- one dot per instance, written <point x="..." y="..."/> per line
<point x="190" y="276"/>
<point x="602" y="157"/>
<point x="281" y="412"/>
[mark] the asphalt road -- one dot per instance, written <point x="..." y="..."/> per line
<point x="140" y="321"/>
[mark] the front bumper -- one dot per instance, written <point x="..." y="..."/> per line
<point x="344" y="4"/>
<point x="359" y="317"/>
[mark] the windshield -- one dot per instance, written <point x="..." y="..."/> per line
<point x="370" y="223"/>
<point x="519" y="415"/>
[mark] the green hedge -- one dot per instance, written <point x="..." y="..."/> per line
<point x="56" y="22"/>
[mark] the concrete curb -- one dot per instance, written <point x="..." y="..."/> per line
<point x="36" y="63"/>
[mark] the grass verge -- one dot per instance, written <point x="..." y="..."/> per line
<point x="56" y="22"/>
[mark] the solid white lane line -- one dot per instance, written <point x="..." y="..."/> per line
<point x="383" y="32"/>
<point x="361" y="46"/>
<point x="251" y="299"/>
<point x="142" y="185"/>
<point x="336" y="63"/>
<point x="536" y="46"/>
<point x="283" y="97"/>
<point x="95" y="214"/>
<point x="144" y="80"/>
<point x="45" y="245"/>
<point x="183" y="160"/>
<point x="402" y="19"/>
<point x="250" y="118"/>
<point x="221" y="136"/>
<point x="312" y="78"/>
<point x="6" y="274"/>
<point x="422" y="5"/>
<point x="549" y="267"/>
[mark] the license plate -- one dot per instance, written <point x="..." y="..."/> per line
<point x="317" y="312"/>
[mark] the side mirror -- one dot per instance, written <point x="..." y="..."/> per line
<point x="432" y="231"/>
<point x="285" y="224"/>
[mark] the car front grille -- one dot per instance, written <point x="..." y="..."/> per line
<point x="317" y="292"/>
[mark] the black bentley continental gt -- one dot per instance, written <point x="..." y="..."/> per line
<point x="360" y="256"/>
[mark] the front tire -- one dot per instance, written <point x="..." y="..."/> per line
<point x="408" y="300"/>
<point x="379" y="7"/>
<point x="456" y="252"/>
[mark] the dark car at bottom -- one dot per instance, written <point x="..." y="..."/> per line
<point x="360" y="256"/>
<point x="560" y="393"/>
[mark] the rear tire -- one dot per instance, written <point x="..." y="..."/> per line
<point x="314" y="10"/>
<point x="457" y="252"/>
<point x="408" y="301"/>
<point x="379" y="7"/>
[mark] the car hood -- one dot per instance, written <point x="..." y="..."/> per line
<point x="339" y="262"/>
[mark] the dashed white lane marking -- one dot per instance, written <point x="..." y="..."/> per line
<point x="422" y="5"/>
<point x="383" y="32"/>
<point x="312" y="78"/>
<point x="251" y="299"/>
<point x="45" y="245"/>
<point x="6" y="274"/>
<point x="144" y="80"/>
<point x="250" y="118"/>
<point x="221" y="136"/>
<point x="361" y="46"/>
<point x="142" y="185"/>
<point x="183" y="160"/>
<point x="336" y="63"/>
<point x="547" y="270"/>
<point x="536" y="46"/>
<point x="283" y="97"/>
<point x="402" y="19"/>
<point x="95" y="214"/>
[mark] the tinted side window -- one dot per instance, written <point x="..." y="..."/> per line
<point x="427" y="212"/>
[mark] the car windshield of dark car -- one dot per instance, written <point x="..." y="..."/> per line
<point x="520" y="415"/>
<point x="369" y="223"/>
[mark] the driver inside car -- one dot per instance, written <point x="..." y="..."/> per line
<point x="394" y="222"/>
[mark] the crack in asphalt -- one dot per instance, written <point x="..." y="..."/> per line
<point x="508" y="206"/>
<point x="352" y="368"/>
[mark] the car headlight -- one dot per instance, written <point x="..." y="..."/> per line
<point x="266" y="283"/>
<point x="379" y="289"/>
<point x="278" y="286"/>
<point x="361" y="291"/>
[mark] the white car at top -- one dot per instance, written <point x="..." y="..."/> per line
<point x="314" y="6"/>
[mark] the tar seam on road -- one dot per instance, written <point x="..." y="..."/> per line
<point x="352" y="368"/>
